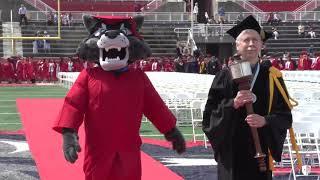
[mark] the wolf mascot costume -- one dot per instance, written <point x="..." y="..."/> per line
<point x="111" y="100"/>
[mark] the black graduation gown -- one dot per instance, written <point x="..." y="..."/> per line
<point x="230" y="135"/>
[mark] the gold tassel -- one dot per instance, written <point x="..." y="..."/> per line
<point x="295" y="147"/>
<point x="273" y="77"/>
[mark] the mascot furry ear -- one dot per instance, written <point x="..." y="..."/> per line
<point x="113" y="41"/>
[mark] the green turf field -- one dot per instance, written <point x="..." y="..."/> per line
<point x="10" y="119"/>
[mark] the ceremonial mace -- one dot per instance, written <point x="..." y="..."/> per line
<point x="242" y="75"/>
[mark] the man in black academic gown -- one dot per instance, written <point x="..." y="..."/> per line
<point x="225" y="121"/>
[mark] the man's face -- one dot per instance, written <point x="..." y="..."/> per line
<point x="249" y="45"/>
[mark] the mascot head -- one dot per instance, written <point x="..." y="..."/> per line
<point x="113" y="42"/>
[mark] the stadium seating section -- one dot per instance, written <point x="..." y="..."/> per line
<point x="276" y="6"/>
<point x="160" y="37"/>
<point x="98" y="6"/>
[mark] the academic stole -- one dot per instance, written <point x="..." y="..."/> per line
<point x="273" y="79"/>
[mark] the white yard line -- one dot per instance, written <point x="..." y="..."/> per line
<point x="8" y="123"/>
<point x="8" y="113"/>
<point x="150" y="135"/>
<point x="32" y="92"/>
<point x="36" y="95"/>
<point x="1" y="100"/>
<point x="10" y="106"/>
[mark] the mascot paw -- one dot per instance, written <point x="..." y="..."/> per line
<point x="177" y="140"/>
<point x="71" y="145"/>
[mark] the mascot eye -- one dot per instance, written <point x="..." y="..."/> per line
<point x="125" y="30"/>
<point x="97" y="33"/>
<point x="129" y="32"/>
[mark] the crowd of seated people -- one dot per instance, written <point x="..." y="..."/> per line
<point x="306" y="61"/>
<point x="28" y="70"/>
<point x="203" y="64"/>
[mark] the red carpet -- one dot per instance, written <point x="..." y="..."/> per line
<point x="37" y="117"/>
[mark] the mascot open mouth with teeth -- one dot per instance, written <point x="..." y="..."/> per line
<point x="111" y="99"/>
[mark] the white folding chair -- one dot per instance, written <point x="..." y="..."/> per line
<point x="306" y="133"/>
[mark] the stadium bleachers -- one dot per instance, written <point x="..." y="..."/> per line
<point x="160" y="37"/>
<point x="289" y="40"/>
<point x="1" y="41"/>
<point x="98" y="6"/>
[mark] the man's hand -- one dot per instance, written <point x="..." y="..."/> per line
<point x="71" y="145"/>
<point x="243" y="97"/>
<point x="177" y="140"/>
<point x="256" y="121"/>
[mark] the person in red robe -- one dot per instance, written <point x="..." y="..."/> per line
<point x="63" y="65"/>
<point x="29" y="70"/>
<point x="45" y="70"/>
<point x="276" y="63"/>
<point x="37" y="69"/>
<point x="110" y="100"/>
<point x="316" y="64"/>
<point x="168" y="66"/>
<point x="1" y="72"/>
<point x="19" y="70"/>
<point x="77" y="66"/>
<point x="8" y="71"/>
<point x="304" y="62"/>
<point x="289" y="65"/>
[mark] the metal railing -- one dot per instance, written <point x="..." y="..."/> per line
<point x="106" y="0"/>
<point x="307" y="7"/>
<point x="148" y="16"/>
<point x="205" y="30"/>
<point x="284" y="16"/>
<point x="153" y="5"/>
<point x="248" y="6"/>
<point x="40" y="5"/>
<point x="185" y="17"/>
<point x="266" y="0"/>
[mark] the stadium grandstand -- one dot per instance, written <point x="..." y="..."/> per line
<point x="39" y="64"/>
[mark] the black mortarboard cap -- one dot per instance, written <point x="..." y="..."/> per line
<point x="249" y="23"/>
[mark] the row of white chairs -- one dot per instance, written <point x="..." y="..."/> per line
<point x="302" y="76"/>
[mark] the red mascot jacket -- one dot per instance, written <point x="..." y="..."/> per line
<point x="111" y="108"/>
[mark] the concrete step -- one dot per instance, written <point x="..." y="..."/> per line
<point x="162" y="41"/>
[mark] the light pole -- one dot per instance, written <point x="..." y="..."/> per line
<point x="191" y="28"/>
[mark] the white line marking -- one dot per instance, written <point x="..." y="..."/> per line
<point x="13" y="106"/>
<point x="8" y="123"/>
<point x="150" y="135"/>
<point x="33" y="92"/>
<point x="188" y="162"/>
<point x="9" y="113"/>
<point x="20" y="146"/>
<point x="36" y="95"/>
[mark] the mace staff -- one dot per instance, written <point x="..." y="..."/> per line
<point x="242" y="75"/>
